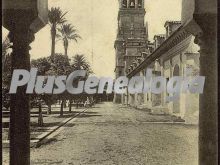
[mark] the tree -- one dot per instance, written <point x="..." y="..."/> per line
<point x="43" y="65"/>
<point x="80" y="63"/>
<point x="60" y="65"/>
<point x="36" y="102"/>
<point x="56" y="65"/>
<point x="49" y="101"/>
<point x="67" y="33"/>
<point x="56" y="17"/>
<point x="34" y="98"/>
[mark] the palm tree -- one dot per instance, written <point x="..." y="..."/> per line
<point x="56" y="17"/>
<point x="80" y="62"/>
<point x="67" y="33"/>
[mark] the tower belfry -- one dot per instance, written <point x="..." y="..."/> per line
<point x="132" y="36"/>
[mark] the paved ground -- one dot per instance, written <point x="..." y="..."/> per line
<point x="49" y="121"/>
<point x="114" y="135"/>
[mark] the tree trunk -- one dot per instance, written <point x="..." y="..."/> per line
<point x="49" y="109"/>
<point x="53" y="39"/>
<point x="66" y="51"/>
<point x="40" y="117"/>
<point x="66" y="46"/>
<point x="64" y="103"/>
<point x="77" y="105"/>
<point x="70" y="105"/>
<point x="61" y="108"/>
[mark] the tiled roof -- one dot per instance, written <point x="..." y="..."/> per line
<point x="172" y="22"/>
<point x="160" y="35"/>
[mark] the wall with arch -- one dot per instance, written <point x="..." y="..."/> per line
<point x="174" y="63"/>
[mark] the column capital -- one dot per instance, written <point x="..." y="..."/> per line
<point x="205" y="39"/>
<point x="24" y="36"/>
<point x="21" y="39"/>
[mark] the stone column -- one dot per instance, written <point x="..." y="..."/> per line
<point x="136" y="4"/>
<point x="21" y="37"/>
<point x="123" y="99"/>
<point x="163" y="94"/>
<point x="128" y="3"/>
<point x="208" y="123"/>
<point x="127" y="97"/>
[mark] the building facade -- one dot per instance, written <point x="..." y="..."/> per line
<point x="175" y="54"/>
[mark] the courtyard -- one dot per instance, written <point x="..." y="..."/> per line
<point x="110" y="134"/>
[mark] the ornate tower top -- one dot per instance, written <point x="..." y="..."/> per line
<point x="131" y="17"/>
<point x="131" y="4"/>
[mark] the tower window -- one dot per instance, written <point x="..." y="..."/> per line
<point x="132" y="4"/>
<point x="139" y="3"/>
<point x="124" y="4"/>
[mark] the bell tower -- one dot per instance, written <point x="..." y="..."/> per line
<point x="132" y="33"/>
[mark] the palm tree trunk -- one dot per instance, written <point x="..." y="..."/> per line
<point x="61" y="108"/>
<point x="65" y="51"/>
<point x="53" y="38"/>
<point x="66" y="46"/>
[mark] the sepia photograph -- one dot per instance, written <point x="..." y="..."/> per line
<point x="109" y="82"/>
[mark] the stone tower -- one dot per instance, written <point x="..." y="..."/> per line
<point x="132" y="36"/>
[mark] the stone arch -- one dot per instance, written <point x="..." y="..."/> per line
<point x="176" y="70"/>
<point x="176" y="103"/>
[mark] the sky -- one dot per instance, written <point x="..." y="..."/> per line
<point x="96" y="22"/>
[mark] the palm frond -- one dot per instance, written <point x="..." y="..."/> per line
<point x="56" y="16"/>
<point x="80" y="62"/>
<point x="67" y="32"/>
<point x="58" y="36"/>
